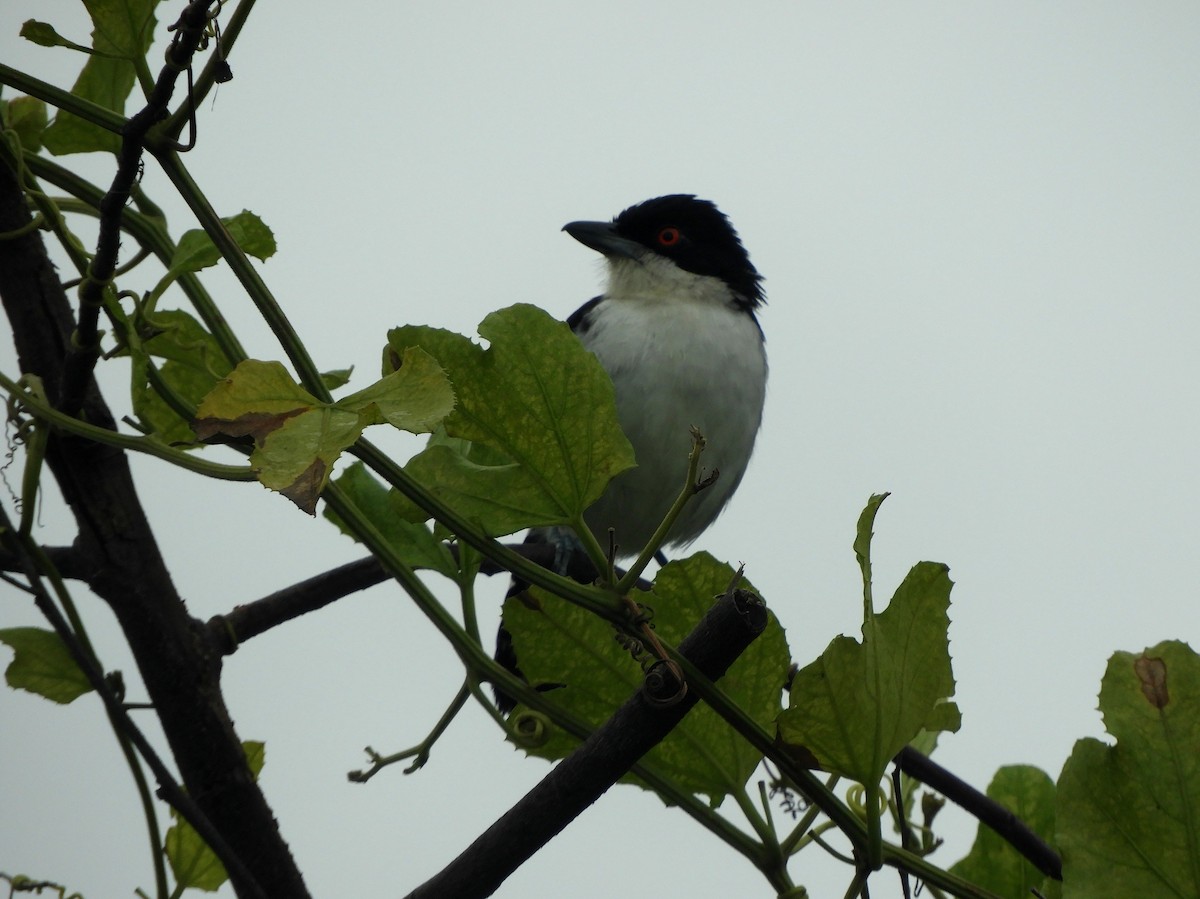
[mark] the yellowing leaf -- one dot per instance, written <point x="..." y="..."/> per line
<point x="255" y="400"/>
<point x="415" y="397"/>
<point x="297" y="437"/>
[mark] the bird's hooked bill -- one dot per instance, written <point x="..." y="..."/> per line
<point x="603" y="238"/>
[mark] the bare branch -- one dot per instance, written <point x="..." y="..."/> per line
<point x="1014" y="831"/>
<point x="235" y="627"/>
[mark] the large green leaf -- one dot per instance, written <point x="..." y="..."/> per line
<point x="540" y="402"/>
<point x="1129" y="814"/>
<point x="563" y="644"/>
<point x="859" y="704"/>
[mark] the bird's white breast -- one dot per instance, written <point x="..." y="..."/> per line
<point x="679" y="354"/>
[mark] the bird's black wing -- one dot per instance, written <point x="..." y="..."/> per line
<point x="581" y="319"/>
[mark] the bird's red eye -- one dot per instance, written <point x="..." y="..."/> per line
<point x="669" y="236"/>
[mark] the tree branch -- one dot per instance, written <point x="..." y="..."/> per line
<point x="65" y="560"/>
<point x="230" y="630"/>
<point x="730" y="626"/>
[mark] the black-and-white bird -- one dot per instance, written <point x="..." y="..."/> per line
<point x="676" y="331"/>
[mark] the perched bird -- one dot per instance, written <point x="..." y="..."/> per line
<point x="676" y="331"/>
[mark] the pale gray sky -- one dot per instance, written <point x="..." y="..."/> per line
<point x="978" y="224"/>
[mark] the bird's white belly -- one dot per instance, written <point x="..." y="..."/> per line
<point x="674" y="366"/>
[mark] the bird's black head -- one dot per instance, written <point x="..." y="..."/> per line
<point x="692" y="233"/>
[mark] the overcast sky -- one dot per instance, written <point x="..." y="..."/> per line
<point x="978" y="225"/>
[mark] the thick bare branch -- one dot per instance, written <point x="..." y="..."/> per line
<point x="1011" y="828"/>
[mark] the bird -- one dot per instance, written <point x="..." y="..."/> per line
<point x="677" y="331"/>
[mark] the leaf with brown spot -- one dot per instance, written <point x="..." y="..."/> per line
<point x="298" y="437"/>
<point x="1128" y="817"/>
<point x="1153" y="676"/>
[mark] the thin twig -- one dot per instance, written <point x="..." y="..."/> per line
<point x="419" y="753"/>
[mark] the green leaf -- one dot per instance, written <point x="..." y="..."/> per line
<point x="384" y="508"/>
<point x="992" y="863"/>
<point x="193" y="365"/>
<point x="415" y="398"/>
<point x="563" y="644"/>
<point x="297" y="437"/>
<point x="44" y="35"/>
<point x="540" y="402"/>
<point x="26" y="116"/>
<point x="1129" y="814"/>
<point x="256" y="756"/>
<point x="335" y="378"/>
<point x="197" y="251"/>
<point x="43" y="665"/>
<point x="124" y="28"/>
<point x="194" y="865"/>
<point x="859" y="704"/>
<point x="122" y="32"/>
<point x="863" y="535"/>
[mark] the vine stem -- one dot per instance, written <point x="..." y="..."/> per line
<point x="690" y="488"/>
<point x="486" y="668"/>
<point x="147" y="445"/>
<point x="268" y="307"/>
<point x="64" y="100"/>
<point x="149" y="230"/>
